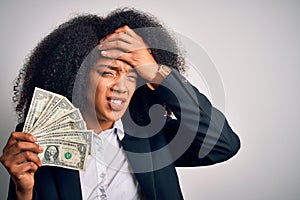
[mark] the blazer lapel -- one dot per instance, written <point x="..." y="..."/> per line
<point x="138" y="152"/>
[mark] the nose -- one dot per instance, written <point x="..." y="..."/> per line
<point x="120" y="85"/>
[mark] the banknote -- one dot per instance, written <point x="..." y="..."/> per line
<point x="38" y="103"/>
<point x="61" y="153"/>
<point x="71" y="116"/>
<point x="53" y="101"/>
<point x="71" y="125"/>
<point x="60" y="129"/>
<point x="60" y="108"/>
<point x="72" y="135"/>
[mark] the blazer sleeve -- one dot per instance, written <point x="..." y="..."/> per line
<point x="199" y="125"/>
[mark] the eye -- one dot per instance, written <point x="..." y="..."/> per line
<point x="132" y="76"/>
<point x="107" y="74"/>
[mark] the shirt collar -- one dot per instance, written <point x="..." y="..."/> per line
<point x="117" y="129"/>
<point x="118" y="126"/>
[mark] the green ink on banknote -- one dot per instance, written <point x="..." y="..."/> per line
<point x="68" y="155"/>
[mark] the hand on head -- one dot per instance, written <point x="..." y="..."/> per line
<point x="126" y="45"/>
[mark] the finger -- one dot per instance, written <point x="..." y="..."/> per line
<point x="130" y="36"/>
<point x="115" y="36"/>
<point x="118" y="36"/>
<point x="120" y="29"/>
<point x="19" y="170"/>
<point x="126" y="29"/>
<point x="116" y="44"/>
<point x="26" y="156"/>
<point x="17" y="136"/>
<point x="23" y="146"/>
<point x="114" y="54"/>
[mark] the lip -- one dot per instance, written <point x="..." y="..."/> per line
<point x="114" y="106"/>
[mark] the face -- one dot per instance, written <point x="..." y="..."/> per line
<point x="110" y="86"/>
<point x="51" y="150"/>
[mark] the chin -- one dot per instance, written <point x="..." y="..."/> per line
<point x="115" y="116"/>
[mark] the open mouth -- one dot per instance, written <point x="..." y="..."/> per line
<point x="116" y="104"/>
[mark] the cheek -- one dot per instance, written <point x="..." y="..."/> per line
<point x="91" y="86"/>
<point x="96" y="87"/>
<point x="131" y="89"/>
<point x="100" y="92"/>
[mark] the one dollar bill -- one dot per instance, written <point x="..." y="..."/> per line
<point x="38" y="103"/>
<point x="61" y="153"/>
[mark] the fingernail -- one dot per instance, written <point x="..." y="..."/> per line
<point x="103" y="53"/>
<point x="41" y="148"/>
<point x="100" y="45"/>
<point x="32" y="138"/>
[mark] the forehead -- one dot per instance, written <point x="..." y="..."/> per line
<point x="117" y="64"/>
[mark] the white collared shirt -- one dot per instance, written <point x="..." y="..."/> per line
<point x="108" y="173"/>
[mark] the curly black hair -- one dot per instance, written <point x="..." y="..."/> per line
<point x="163" y="46"/>
<point x="54" y="63"/>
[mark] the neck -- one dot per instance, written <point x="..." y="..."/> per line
<point x="93" y="123"/>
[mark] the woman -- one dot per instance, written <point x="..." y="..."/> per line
<point x="109" y="88"/>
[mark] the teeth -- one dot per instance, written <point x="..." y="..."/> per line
<point x="118" y="102"/>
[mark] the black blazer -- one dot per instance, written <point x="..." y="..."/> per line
<point x="198" y="136"/>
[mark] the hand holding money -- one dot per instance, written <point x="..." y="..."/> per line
<point x="59" y="129"/>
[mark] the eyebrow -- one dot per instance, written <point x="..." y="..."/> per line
<point x="115" y="68"/>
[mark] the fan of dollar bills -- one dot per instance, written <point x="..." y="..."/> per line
<point x="59" y="129"/>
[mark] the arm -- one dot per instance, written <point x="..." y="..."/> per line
<point x="200" y="128"/>
<point x="203" y="127"/>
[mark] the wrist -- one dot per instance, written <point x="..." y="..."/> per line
<point x="163" y="72"/>
<point x="24" y="193"/>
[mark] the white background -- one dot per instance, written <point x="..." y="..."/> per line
<point x="255" y="47"/>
